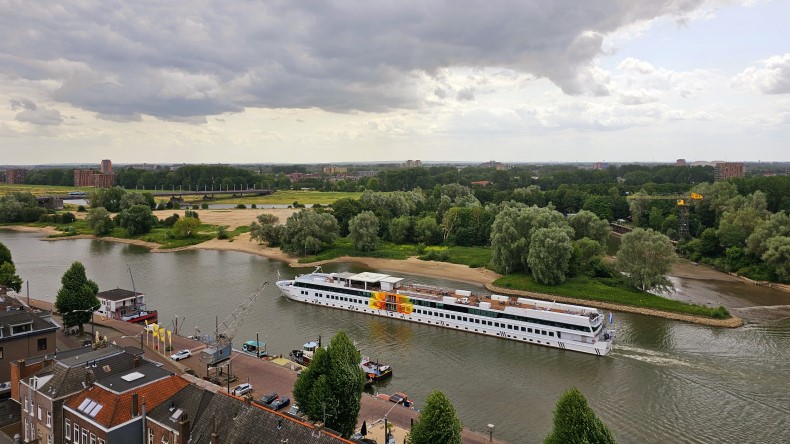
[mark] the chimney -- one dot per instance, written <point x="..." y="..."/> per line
<point x="137" y="361"/>
<point x="214" y="435"/>
<point x="89" y="378"/>
<point x="184" y="428"/>
<point x="134" y="405"/>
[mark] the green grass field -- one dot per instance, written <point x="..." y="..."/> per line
<point x="289" y="197"/>
<point x="39" y="190"/>
<point x="609" y="290"/>
<point x="344" y="247"/>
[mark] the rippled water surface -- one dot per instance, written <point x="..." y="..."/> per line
<point x="665" y="381"/>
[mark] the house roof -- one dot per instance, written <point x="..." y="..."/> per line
<point x="118" y="294"/>
<point x="117" y="408"/>
<point x="191" y="400"/>
<point x="67" y="380"/>
<point x="237" y="422"/>
<point x="121" y="382"/>
<point x="13" y="312"/>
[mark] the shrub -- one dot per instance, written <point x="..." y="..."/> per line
<point x="195" y="206"/>
<point x="222" y="232"/>
<point x="253" y="206"/>
<point x="204" y="206"/>
<point x="81" y="208"/>
<point x="241" y="207"/>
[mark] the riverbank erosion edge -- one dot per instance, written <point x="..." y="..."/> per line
<point x="732" y="322"/>
<point x="462" y="273"/>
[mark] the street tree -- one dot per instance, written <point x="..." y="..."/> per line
<point x="363" y="229"/>
<point x="549" y="255"/>
<point x="186" y="227"/>
<point x="99" y="221"/>
<point x="267" y="229"/>
<point x="576" y="422"/>
<point x="646" y="256"/>
<point x="8" y="276"/>
<point x="330" y="388"/>
<point x="438" y="422"/>
<point x="137" y="220"/>
<point x="76" y="299"/>
<point x="587" y="224"/>
<point x="109" y="198"/>
<point x="307" y="232"/>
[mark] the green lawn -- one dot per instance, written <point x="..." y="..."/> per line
<point x="609" y="290"/>
<point x="474" y="257"/>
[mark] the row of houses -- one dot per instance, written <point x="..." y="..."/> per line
<point x="114" y="395"/>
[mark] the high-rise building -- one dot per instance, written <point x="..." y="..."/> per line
<point x="104" y="178"/>
<point x="84" y="178"/>
<point x="412" y="164"/>
<point x="727" y="170"/>
<point x="106" y="166"/>
<point x="680" y="162"/>
<point x="15" y="175"/>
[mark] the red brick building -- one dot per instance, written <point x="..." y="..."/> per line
<point x="15" y="175"/>
<point x="727" y="170"/>
<point x="93" y="178"/>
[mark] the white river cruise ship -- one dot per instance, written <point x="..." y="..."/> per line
<point x="569" y="327"/>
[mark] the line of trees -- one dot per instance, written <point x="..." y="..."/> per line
<point x="8" y="276"/>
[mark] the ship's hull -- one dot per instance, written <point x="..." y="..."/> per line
<point x="599" y="348"/>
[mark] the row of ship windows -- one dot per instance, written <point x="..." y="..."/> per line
<point x="430" y="304"/>
<point x="441" y="315"/>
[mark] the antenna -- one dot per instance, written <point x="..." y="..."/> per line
<point x="130" y="275"/>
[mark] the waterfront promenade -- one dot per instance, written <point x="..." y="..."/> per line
<point x="264" y="375"/>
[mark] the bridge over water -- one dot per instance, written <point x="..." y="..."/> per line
<point x="178" y="194"/>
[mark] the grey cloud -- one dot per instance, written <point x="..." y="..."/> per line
<point x="40" y="117"/>
<point x="175" y="60"/>
<point x="26" y="104"/>
<point x="466" y="95"/>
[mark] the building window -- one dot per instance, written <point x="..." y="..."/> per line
<point x="39" y="413"/>
<point x="93" y="438"/>
<point x="68" y="430"/>
<point x="42" y="344"/>
<point x="150" y="436"/>
<point x="76" y="433"/>
<point x="49" y="438"/>
<point x="49" y="419"/>
<point x="25" y="403"/>
<point x="84" y="436"/>
<point x="165" y="440"/>
<point x="1" y="352"/>
<point x="101" y="441"/>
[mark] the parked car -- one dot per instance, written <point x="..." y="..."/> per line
<point x="181" y="354"/>
<point x="242" y="389"/>
<point x="294" y="410"/>
<point x="267" y="399"/>
<point x="280" y="402"/>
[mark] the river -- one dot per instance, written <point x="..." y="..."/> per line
<point x="665" y="381"/>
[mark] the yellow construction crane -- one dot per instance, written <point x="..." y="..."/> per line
<point x="683" y="202"/>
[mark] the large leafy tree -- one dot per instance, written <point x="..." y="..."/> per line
<point x="549" y="255"/>
<point x="267" y="229"/>
<point x="99" y="221"/>
<point x="576" y="422"/>
<point x="76" y="299"/>
<point x="363" y="229"/>
<point x="109" y="198"/>
<point x="8" y="276"/>
<point x="438" y="422"/>
<point x="399" y="229"/>
<point x="137" y="220"/>
<point x="306" y="232"/>
<point x="186" y="227"/>
<point x="587" y="224"/>
<point x="427" y="231"/>
<point x="777" y="254"/>
<point x="343" y="210"/>
<point x="129" y="200"/>
<point x="330" y="388"/>
<point x="646" y="256"/>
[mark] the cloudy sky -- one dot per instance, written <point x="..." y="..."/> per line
<point x="336" y="81"/>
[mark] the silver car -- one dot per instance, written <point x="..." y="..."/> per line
<point x="242" y="389"/>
